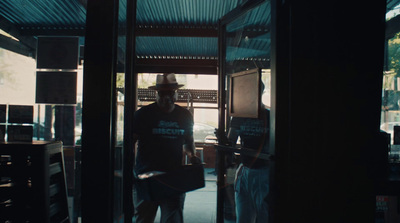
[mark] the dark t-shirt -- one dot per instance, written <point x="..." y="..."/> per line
<point x="161" y="137"/>
<point x="254" y="134"/>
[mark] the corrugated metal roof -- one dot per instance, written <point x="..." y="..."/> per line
<point x="44" y="16"/>
<point x="71" y="13"/>
<point x="183" y="12"/>
<point x="391" y="4"/>
<point x="249" y="37"/>
<point x="258" y="18"/>
<point x="176" y="46"/>
<point x="44" y="13"/>
<point x="34" y="17"/>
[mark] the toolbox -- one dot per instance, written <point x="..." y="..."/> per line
<point x="157" y="185"/>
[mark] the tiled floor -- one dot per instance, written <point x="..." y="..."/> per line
<point x="201" y="204"/>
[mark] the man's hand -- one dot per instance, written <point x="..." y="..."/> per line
<point x="195" y="160"/>
<point x="222" y="138"/>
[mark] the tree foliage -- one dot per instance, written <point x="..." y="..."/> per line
<point x="394" y="54"/>
<point x="6" y="73"/>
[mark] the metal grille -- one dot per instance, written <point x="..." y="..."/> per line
<point x="184" y="95"/>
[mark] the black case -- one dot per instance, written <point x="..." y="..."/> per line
<point x="165" y="185"/>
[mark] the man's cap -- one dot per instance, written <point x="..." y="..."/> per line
<point x="166" y="81"/>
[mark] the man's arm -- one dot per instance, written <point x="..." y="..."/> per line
<point x="190" y="150"/>
<point x="135" y="138"/>
<point x="233" y="135"/>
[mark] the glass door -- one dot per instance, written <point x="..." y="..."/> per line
<point x="245" y="45"/>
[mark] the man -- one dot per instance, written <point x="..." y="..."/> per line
<point x="252" y="175"/>
<point x="162" y="129"/>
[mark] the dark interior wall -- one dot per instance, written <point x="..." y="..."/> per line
<point x="98" y="111"/>
<point x="327" y="65"/>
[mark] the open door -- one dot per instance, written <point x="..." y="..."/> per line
<point x="244" y="65"/>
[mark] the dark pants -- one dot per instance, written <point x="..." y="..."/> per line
<point x="171" y="209"/>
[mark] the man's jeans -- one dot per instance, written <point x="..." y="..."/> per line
<point x="171" y="209"/>
<point x="251" y="190"/>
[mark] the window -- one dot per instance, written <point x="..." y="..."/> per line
<point x="390" y="113"/>
<point x="199" y="95"/>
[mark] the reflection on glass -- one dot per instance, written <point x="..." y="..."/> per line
<point x="390" y="96"/>
<point x="119" y="113"/>
<point x="390" y="113"/>
<point x="248" y="40"/>
<point x="248" y="46"/>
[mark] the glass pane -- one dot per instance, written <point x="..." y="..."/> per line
<point x="248" y="40"/>
<point x="18" y="86"/>
<point x="17" y="78"/>
<point x="119" y="119"/>
<point x="205" y="123"/>
<point x="248" y="46"/>
<point x="390" y="119"/>
<point x="199" y="95"/>
<point x="390" y="115"/>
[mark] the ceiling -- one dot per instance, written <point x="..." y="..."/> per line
<point x="391" y="4"/>
<point x="174" y="33"/>
<point x="180" y="32"/>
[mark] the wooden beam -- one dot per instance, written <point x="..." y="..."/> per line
<point x="16" y="46"/>
<point x="14" y="31"/>
<point x="392" y="27"/>
<point x="98" y="114"/>
<point x="176" y="69"/>
<point x="182" y="66"/>
<point x="83" y="3"/>
<point x="182" y="31"/>
<point x="52" y="31"/>
<point x="140" y="31"/>
<point x="178" y="62"/>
